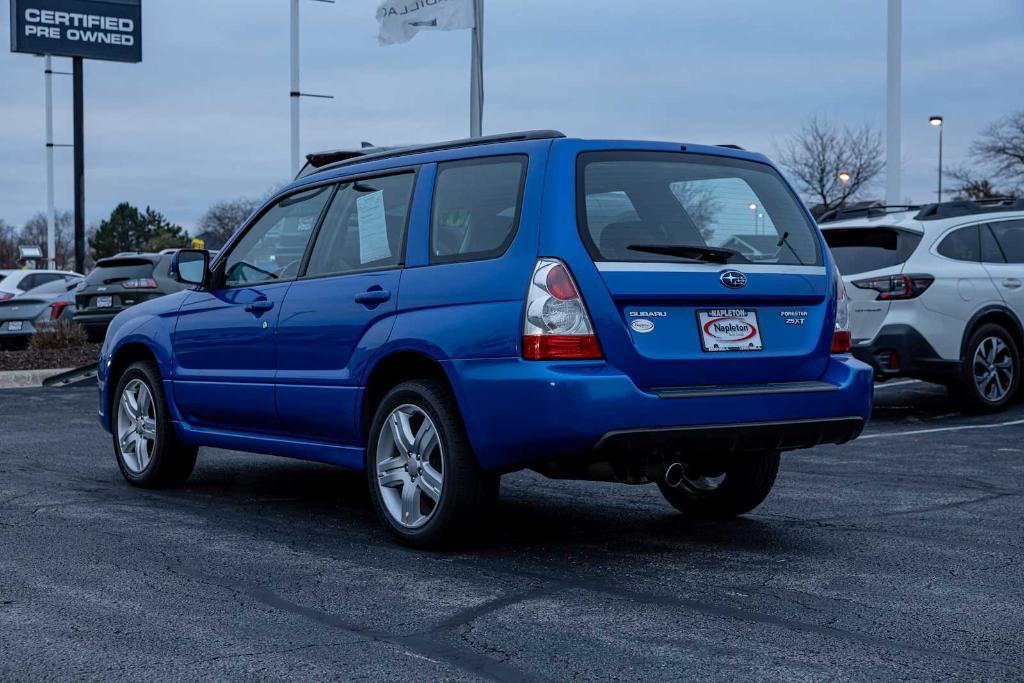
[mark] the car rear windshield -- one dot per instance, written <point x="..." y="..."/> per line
<point x="109" y="271"/>
<point x="678" y="207"/>
<point x="859" y="250"/>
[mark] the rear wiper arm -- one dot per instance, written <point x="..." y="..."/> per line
<point x="708" y="254"/>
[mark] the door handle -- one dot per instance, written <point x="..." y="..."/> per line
<point x="373" y="296"/>
<point x="259" y="306"/>
<point x="1012" y="283"/>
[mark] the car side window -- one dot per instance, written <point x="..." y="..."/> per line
<point x="272" y="249"/>
<point x="27" y="283"/>
<point x="1010" y="235"/>
<point x="365" y="227"/>
<point x="991" y="252"/>
<point x="476" y="208"/>
<point x="962" y="245"/>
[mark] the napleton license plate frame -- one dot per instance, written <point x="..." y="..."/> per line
<point x="731" y="322"/>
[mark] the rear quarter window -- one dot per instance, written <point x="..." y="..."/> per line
<point x="963" y="244"/>
<point x="476" y="205"/>
<point x="859" y="250"/>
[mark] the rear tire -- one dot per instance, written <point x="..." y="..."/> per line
<point x="425" y="483"/>
<point x="148" y="451"/>
<point x="989" y="373"/>
<point x="746" y="482"/>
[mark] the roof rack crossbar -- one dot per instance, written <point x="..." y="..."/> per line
<point x="968" y="207"/>
<point x="374" y="154"/>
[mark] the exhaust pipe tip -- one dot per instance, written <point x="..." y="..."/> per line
<point x="674" y="475"/>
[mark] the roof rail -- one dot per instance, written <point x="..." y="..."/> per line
<point x="346" y="157"/>
<point x="865" y="210"/>
<point x="732" y="147"/>
<point x="968" y="207"/>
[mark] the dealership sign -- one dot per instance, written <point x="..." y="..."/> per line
<point x="93" y="29"/>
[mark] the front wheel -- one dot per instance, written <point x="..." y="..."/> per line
<point x="424" y="480"/>
<point x="739" y="488"/>
<point x="147" y="448"/>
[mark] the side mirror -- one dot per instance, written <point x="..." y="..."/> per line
<point x="189" y="266"/>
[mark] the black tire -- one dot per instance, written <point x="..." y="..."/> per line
<point x="748" y="480"/>
<point x="965" y="390"/>
<point x="468" y="494"/>
<point x="171" y="462"/>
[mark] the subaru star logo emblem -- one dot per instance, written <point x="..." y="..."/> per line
<point x="733" y="279"/>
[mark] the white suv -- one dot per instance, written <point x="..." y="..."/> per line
<point x="15" y="282"/>
<point x="936" y="293"/>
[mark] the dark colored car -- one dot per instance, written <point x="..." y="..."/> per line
<point x="26" y="313"/>
<point x="119" y="282"/>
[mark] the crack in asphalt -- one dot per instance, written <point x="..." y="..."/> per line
<point x="421" y="642"/>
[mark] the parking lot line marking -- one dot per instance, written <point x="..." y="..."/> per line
<point x="1011" y="423"/>
<point x="902" y="382"/>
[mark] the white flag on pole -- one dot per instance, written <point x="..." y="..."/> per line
<point x="400" y="20"/>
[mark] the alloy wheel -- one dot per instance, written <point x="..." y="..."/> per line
<point x="410" y="466"/>
<point x="993" y="369"/>
<point x="136" y="426"/>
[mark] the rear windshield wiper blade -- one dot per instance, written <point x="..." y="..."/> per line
<point x="709" y="254"/>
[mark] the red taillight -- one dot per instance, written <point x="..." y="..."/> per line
<point x="842" y="341"/>
<point x="894" y="287"/>
<point x="556" y="325"/>
<point x="560" y="284"/>
<point x="4" y="296"/>
<point x="561" y="347"/>
<point x="140" y="283"/>
<point x="58" y="308"/>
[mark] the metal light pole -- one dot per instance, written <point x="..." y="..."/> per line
<point x="937" y="122"/>
<point x="892" y="99"/>
<point x="79" y="142"/>
<point x="295" y="93"/>
<point x="51" y="218"/>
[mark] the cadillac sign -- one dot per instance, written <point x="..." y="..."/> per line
<point x="93" y="29"/>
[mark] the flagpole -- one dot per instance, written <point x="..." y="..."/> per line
<point x="892" y="103"/>
<point x="476" y="72"/>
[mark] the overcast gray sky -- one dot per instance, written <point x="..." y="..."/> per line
<point x="204" y="117"/>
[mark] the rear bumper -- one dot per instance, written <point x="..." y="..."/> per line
<point x="784" y="435"/>
<point x="95" y="324"/>
<point x="521" y="412"/>
<point x="900" y="350"/>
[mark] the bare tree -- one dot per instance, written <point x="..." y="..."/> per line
<point x="34" y="233"/>
<point x="1000" y="149"/>
<point x="8" y="245"/>
<point x="970" y="185"/>
<point x="222" y="219"/>
<point x="821" y="151"/>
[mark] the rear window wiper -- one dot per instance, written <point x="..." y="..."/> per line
<point x="708" y="254"/>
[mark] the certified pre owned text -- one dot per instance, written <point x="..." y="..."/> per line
<point x="88" y="28"/>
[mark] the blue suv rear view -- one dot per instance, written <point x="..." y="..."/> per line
<point x="437" y="316"/>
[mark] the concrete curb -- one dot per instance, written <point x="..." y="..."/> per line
<point x="25" y="379"/>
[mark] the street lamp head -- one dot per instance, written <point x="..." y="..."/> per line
<point x="935" y="120"/>
<point x="844" y="177"/>
<point x="753" y="206"/>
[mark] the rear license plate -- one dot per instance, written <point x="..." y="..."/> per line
<point x="729" y="329"/>
<point x="104" y="301"/>
<point x="14" y="326"/>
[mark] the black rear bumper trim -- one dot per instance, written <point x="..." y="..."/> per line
<point x="721" y="439"/>
<point x="744" y="389"/>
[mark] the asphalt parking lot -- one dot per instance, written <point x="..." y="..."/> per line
<point x="900" y="555"/>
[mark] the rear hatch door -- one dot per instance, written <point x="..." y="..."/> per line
<point x="714" y="270"/>
<point x="109" y="287"/>
<point x="863" y="253"/>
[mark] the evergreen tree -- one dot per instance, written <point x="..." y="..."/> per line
<point x="128" y="229"/>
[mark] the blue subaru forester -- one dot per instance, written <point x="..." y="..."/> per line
<point x="440" y="315"/>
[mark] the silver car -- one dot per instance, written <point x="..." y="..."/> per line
<point x="29" y="311"/>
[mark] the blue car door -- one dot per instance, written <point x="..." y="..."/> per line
<point x="341" y="310"/>
<point x="224" y="339"/>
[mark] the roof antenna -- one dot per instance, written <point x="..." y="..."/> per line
<point x="364" y="144"/>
